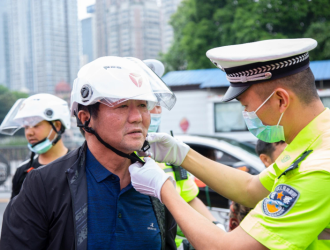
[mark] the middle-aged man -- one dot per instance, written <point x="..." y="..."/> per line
<point x="291" y="200"/>
<point x="85" y="200"/>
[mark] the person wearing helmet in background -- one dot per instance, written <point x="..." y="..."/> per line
<point x="185" y="184"/>
<point x="85" y="200"/>
<point x="44" y="118"/>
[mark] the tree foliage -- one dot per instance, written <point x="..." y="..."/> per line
<point x="200" y="25"/>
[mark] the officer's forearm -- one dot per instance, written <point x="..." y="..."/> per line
<point x="200" y="232"/>
<point x="231" y="183"/>
<point x="199" y="206"/>
<point x="192" y="223"/>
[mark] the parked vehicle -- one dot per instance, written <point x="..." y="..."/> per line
<point x="240" y="155"/>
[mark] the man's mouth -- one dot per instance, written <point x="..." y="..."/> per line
<point x="32" y="141"/>
<point x="135" y="131"/>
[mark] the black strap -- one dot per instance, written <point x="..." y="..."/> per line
<point x="31" y="159"/>
<point x="59" y="133"/>
<point x="133" y="157"/>
<point x="295" y="164"/>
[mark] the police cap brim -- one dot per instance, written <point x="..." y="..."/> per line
<point x="234" y="92"/>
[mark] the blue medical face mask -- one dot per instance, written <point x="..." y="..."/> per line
<point x="42" y="146"/>
<point x="263" y="132"/>
<point x="154" y="123"/>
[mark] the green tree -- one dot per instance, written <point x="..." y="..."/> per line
<point x="200" y="25"/>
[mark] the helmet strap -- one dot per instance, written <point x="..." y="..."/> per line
<point x="133" y="157"/>
<point x="59" y="133"/>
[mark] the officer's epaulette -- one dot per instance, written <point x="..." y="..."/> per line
<point x="295" y="164"/>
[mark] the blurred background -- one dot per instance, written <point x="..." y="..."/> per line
<point x="43" y="43"/>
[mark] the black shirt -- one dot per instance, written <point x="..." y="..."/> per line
<point x="21" y="173"/>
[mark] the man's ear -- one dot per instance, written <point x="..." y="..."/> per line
<point x="283" y="97"/>
<point x="265" y="160"/>
<point x="83" y="116"/>
<point x="58" y="125"/>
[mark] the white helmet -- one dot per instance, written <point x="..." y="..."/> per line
<point x="156" y="66"/>
<point x="34" y="109"/>
<point x="112" y="80"/>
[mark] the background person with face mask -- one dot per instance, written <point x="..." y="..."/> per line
<point x="44" y="118"/>
<point x="291" y="201"/>
<point x="185" y="184"/>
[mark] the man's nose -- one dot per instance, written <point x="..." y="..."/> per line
<point x="29" y="130"/>
<point x="134" y="114"/>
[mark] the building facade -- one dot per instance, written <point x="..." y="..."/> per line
<point x="88" y="37"/>
<point x="44" y="44"/>
<point x="128" y="28"/>
<point x="4" y="43"/>
<point x="168" y="8"/>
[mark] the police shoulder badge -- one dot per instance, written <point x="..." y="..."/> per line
<point x="280" y="201"/>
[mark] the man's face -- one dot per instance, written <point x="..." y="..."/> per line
<point x="38" y="132"/>
<point x="123" y="126"/>
<point x="269" y="113"/>
<point x="156" y="110"/>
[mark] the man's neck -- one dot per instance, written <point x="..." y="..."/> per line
<point x="300" y="117"/>
<point x="57" y="151"/>
<point x="111" y="161"/>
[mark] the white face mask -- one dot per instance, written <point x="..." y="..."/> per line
<point x="263" y="132"/>
<point x="155" y="122"/>
<point x="43" y="146"/>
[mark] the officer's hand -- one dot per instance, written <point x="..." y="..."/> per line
<point x="165" y="148"/>
<point x="149" y="178"/>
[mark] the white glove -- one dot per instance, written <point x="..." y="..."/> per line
<point x="149" y="178"/>
<point x="165" y="148"/>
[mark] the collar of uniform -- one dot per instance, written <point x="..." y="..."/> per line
<point x="305" y="138"/>
<point x="99" y="172"/>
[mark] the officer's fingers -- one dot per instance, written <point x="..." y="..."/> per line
<point x="152" y="137"/>
<point x="143" y="154"/>
<point x="157" y="137"/>
<point x="149" y="160"/>
<point x="134" y="167"/>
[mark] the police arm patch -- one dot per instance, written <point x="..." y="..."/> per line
<point x="280" y="201"/>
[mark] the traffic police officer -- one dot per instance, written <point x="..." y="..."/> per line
<point x="291" y="201"/>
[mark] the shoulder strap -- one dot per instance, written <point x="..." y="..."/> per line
<point x="295" y="164"/>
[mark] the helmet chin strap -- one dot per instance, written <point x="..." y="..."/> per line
<point x="133" y="157"/>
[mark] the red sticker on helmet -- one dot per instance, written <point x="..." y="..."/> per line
<point x="136" y="79"/>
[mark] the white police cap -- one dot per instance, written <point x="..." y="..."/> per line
<point x="249" y="63"/>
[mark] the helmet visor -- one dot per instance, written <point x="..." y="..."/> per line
<point x="15" y="120"/>
<point x="165" y="97"/>
<point x="112" y="102"/>
<point x="8" y="125"/>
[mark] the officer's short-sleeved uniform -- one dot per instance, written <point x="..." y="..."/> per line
<point x="296" y="214"/>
